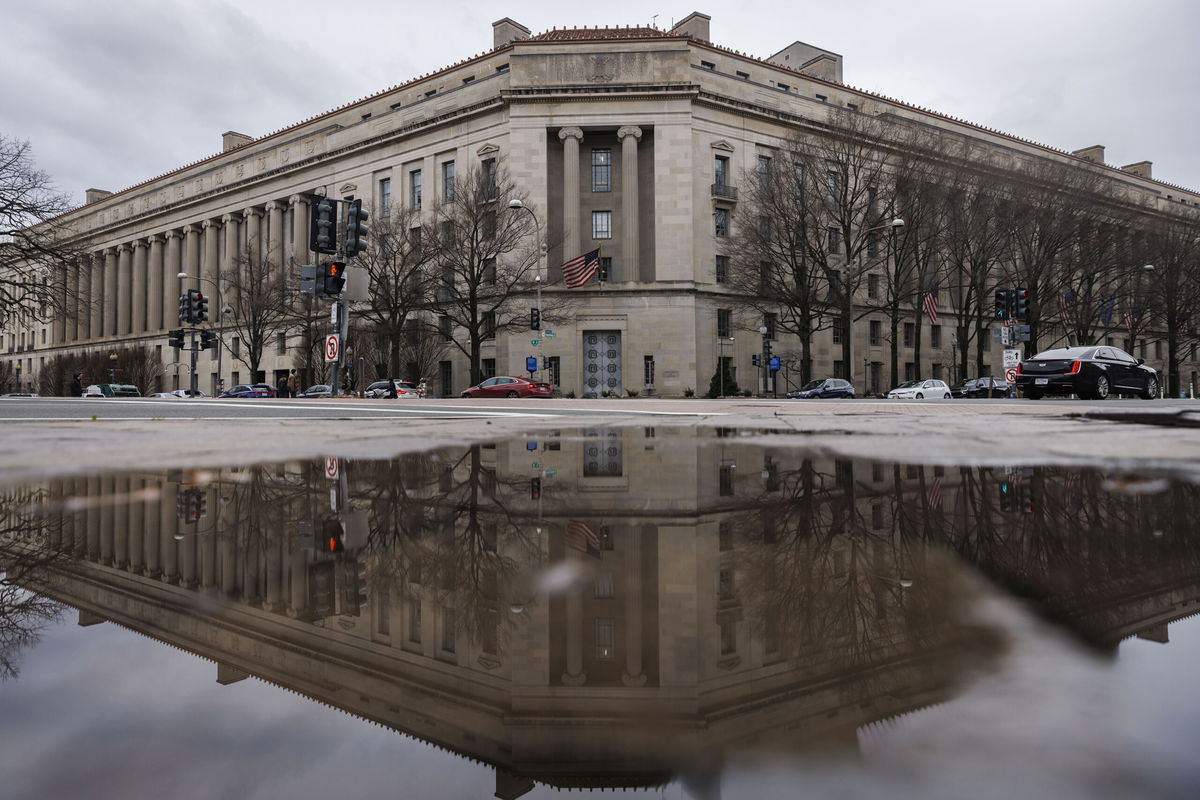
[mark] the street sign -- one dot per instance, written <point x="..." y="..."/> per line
<point x="774" y="363"/>
<point x="1012" y="358"/>
<point x="333" y="311"/>
<point x="332" y="347"/>
<point x="550" y="473"/>
<point x="331" y="467"/>
<point x="536" y="465"/>
<point x="549" y="334"/>
<point x="531" y="363"/>
<point x="1010" y="374"/>
<point x="535" y="342"/>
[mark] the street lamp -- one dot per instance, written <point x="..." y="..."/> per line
<point x="222" y="310"/>
<point x="516" y="205"/>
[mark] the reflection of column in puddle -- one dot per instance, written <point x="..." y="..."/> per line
<point x="120" y="544"/>
<point x="107" y="488"/>
<point x="208" y="542"/>
<point x="229" y="565"/>
<point x="154" y="530"/>
<point x="574" y="676"/>
<point x="138" y="513"/>
<point x="169" y="553"/>
<point x="298" y="589"/>
<point x="274" y="567"/>
<point x="91" y="547"/>
<point x="633" y="675"/>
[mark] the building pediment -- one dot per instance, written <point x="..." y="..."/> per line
<point x="487" y="150"/>
<point x="722" y="145"/>
<point x="348" y="187"/>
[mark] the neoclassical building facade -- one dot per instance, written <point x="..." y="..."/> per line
<point x="627" y="139"/>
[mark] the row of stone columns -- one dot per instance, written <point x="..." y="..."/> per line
<point x="629" y="136"/>
<point x="133" y="288"/>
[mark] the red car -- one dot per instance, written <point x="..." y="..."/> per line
<point x="505" y="386"/>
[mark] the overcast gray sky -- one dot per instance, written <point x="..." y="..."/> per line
<point x="113" y="92"/>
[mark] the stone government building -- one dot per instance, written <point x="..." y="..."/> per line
<point x="631" y="139"/>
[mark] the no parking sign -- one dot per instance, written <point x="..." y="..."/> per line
<point x="332" y="345"/>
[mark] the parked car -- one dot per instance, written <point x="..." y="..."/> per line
<point x="978" y="387"/>
<point x="166" y="396"/>
<point x="823" y="388"/>
<point x="508" y="386"/>
<point x="932" y="389"/>
<point x="20" y="394"/>
<point x="248" y="390"/>
<point x="320" y="390"/>
<point x="405" y="390"/>
<point x="1092" y="373"/>
<point x="111" y="390"/>
<point x="189" y="393"/>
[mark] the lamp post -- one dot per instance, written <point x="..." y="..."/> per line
<point x="221" y="312"/>
<point x="764" y="368"/>
<point x="516" y="205"/>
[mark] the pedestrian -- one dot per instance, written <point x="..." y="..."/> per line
<point x="281" y="386"/>
<point x="392" y="393"/>
<point x="77" y="385"/>
<point x="422" y="388"/>
<point x="293" y="384"/>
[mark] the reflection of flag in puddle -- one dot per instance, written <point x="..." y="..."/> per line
<point x="581" y="537"/>
<point x="934" y="494"/>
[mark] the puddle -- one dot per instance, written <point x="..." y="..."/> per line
<point x="680" y="612"/>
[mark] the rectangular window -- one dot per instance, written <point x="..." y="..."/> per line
<point x="385" y="193"/>
<point x="383" y="618"/>
<point x="605" y="638"/>
<point x="606" y="269"/>
<point x="553" y="367"/>
<point x="835" y="240"/>
<point x="489" y="325"/>
<point x="602" y="169"/>
<point x="876" y="332"/>
<point x="489" y="271"/>
<point x="601" y="224"/>
<point x="783" y="87"/>
<point x="414" y="621"/>
<point x="414" y="188"/>
<point x="489" y="176"/>
<point x="281" y="343"/>
<point x="235" y="346"/>
<point x="769" y="323"/>
<point x="446" y="327"/>
<point x="448" y="180"/>
<point x="604" y="586"/>
<point x="837" y="332"/>
<point x="502" y="68"/>
<point x="488" y="367"/>
<point x="910" y="371"/>
<point x="937" y="372"/>
<point x="728" y="625"/>
<point x="708" y="65"/>
<point x="872" y="243"/>
<point x="722" y="269"/>
<point x="448" y="625"/>
<point x="833" y="184"/>
<point x="724" y="322"/>
<point x="446" y="377"/>
<point x="744" y="76"/>
<point x="721" y="170"/>
<point x="822" y="98"/>
<point x="721" y="221"/>
<point x="725" y="480"/>
<point x="876" y="375"/>
<point x="935" y="337"/>
<point x="873" y="287"/>
<point x="910" y="334"/>
<point x="648" y="371"/>
<point x="763" y="172"/>
<point x="1158" y="350"/>
<point x="724" y="536"/>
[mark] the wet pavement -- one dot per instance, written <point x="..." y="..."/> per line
<point x="673" y="611"/>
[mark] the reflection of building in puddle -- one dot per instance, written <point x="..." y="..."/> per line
<point x="733" y="596"/>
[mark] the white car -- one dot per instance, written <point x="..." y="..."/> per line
<point x="921" y="390"/>
<point x="405" y="390"/>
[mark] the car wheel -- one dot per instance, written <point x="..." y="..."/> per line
<point x="1100" y="392"/>
<point x="946" y="396"/>
<point x="512" y="394"/>
<point x="920" y="396"/>
<point x="1151" y="392"/>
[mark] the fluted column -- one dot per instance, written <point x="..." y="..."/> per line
<point x="212" y="263"/>
<point x="299" y="205"/>
<point x="229" y="264"/>
<point x="124" y="288"/>
<point x="58" y="328"/>
<point x="110" y="291"/>
<point x="74" y="309"/>
<point x="253" y="217"/>
<point x="632" y="580"/>
<point x="172" y="286"/>
<point x="274" y="236"/>
<point x="191" y="255"/>
<point x="86" y="307"/>
<point x="630" y="136"/>
<point x="574" y="676"/>
<point x="571" y="137"/>
<point x="157" y="311"/>
<point x="141" y="251"/>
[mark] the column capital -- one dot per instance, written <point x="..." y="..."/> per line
<point x="228" y="218"/>
<point x="629" y="130"/>
<point x="571" y="133"/>
<point x="187" y="229"/>
<point x="156" y="238"/>
<point x="297" y="199"/>
<point x="175" y="234"/>
<point x="274" y="205"/>
<point x="141" y="243"/>
<point x="124" y="247"/>
<point x="251" y="212"/>
<point x="210" y="223"/>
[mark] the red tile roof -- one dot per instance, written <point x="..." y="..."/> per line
<point x="577" y="34"/>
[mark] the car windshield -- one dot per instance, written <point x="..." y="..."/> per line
<point x="907" y="385"/>
<point x="812" y="385"/>
<point x="1065" y="353"/>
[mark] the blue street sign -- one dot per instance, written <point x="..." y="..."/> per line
<point x="531" y="363"/>
<point x="531" y="445"/>
<point x="774" y="364"/>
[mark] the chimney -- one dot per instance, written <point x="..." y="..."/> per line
<point x="1094" y="153"/>
<point x="809" y="60"/>
<point x="506" y="30"/>
<point x="92" y="195"/>
<point x="1141" y="169"/>
<point x="231" y="140"/>
<point x="694" y="25"/>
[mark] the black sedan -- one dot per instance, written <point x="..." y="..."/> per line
<point x="823" y="387"/>
<point x="249" y="390"/>
<point x="1093" y="373"/>
<point x="978" y="387"/>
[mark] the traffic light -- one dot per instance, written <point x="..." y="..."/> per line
<point x="535" y="488"/>
<point x="322" y="228"/>
<point x="185" y="308"/>
<point x="175" y="338"/>
<point x="331" y="538"/>
<point x="1027" y="499"/>
<point x="308" y="279"/>
<point x="766" y="348"/>
<point x="355" y="229"/>
<point x="1020" y="304"/>
<point x="208" y="340"/>
<point x="199" y="305"/>
<point x="756" y="359"/>
<point x="1002" y="304"/>
<point x="1008" y="500"/>
<point x="333" y="278"/>
<point x="535" y="319"/>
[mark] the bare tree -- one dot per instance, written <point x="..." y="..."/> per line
<point x="260" y="307"/>
<point x="36" y="245"/>
<point x="1174" y="291"/>
<point x="486" y="261"/>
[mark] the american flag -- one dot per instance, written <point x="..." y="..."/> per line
<point x="1131" y="320"/>
<point x="1065" y="302"/>
<point x="930" y="306"/>
<point x="934" y="493"/>
<point x="581" y="269"/>
<point x="581" y="537"/>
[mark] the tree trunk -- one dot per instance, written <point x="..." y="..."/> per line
<point x="894" y="313"/>
<point x="918" y="373"/>
<point x="847" y="350"/>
